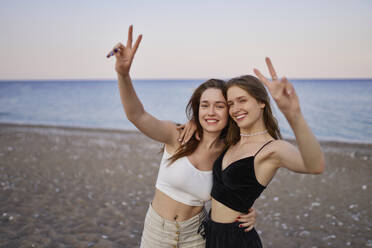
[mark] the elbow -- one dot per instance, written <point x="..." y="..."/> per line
<point x="134" y="116"/>
<point x="134" y="119"/>
<point x="318" y="171"/>
<point x="319" y="168"/>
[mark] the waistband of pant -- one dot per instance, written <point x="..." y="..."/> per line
<point x="231" y="225"/>
<point x="195" y="219"/>
<point x="219" y="226"/>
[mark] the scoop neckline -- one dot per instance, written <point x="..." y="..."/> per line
<point x="190" y="164"/>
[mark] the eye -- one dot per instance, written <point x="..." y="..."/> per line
<point x="204" y="106"/>
<point x="230" y="104"/>
<point x="242" y="100"/>
<point x="221" y="106"/>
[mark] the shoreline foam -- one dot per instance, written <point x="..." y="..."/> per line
<point x="123" y="131"/>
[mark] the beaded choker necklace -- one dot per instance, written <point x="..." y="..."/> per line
<point x="252" y="134"/>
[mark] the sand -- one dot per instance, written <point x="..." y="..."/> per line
<point x="70" y="187"/>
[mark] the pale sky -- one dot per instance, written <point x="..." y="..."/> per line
<point x="186" y="39"/>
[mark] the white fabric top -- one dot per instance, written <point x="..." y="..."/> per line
<point x="184" y="183"/>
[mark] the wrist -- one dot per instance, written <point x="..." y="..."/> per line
<point x="294" y="117"/>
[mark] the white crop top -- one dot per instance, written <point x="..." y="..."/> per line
<point x="184" y="183"/>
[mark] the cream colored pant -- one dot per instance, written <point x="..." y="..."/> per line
<point x="163" y="233"/>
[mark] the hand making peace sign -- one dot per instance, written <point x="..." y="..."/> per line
<point x="125" y="54"/>
<point x="282" y="91"/>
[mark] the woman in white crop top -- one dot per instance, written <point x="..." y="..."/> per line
<point x="185" y="175"/>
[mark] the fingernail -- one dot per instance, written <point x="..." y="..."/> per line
<point x="240" y="225"/>
<point x="179" y="139"/>
<point x="289" y="92"/>
<point x="236" y="220"/>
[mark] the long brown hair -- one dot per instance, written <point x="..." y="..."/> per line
<point x="192" y="112"/>
<point x="255" y="88"/>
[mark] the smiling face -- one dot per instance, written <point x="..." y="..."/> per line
<point x="213" y="111"/>
<point x="244" y="109"/>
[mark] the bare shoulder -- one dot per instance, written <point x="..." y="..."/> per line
<point x="274" y="147"/>
<point x="282" y="147"/>
<point x="285" y="154"/>
<point x="275" y="151"/>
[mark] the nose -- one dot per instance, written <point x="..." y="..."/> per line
<point x="234" y="109"/>
<point x="211" y="110"/>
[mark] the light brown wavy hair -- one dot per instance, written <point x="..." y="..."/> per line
<point x="192" y="113"/>
<point x="255" y="88"/>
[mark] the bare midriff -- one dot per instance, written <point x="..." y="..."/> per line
<point x="171" y="209"/>
<point x="223" y="214"/>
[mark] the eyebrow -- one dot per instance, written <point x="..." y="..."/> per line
<point x="205" y="101"/>
<point x="239" y="97"/>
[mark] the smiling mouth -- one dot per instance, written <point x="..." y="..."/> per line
<point x="240" y="117"/>
<point x="211" y="121"/>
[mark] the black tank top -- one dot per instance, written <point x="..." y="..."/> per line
<point x="236" y="186"/>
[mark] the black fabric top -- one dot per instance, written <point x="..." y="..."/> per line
<point x="236" y="186"/>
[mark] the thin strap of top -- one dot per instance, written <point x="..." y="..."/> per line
<point x="263" y="147"/>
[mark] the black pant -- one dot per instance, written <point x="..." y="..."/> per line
<point x="227" y="235"/>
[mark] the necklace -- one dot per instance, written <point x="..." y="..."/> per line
<point x="253" y="134"/>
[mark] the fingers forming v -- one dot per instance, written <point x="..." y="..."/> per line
<point x="262" y="78"/>
<point x="271" y="69"/>
<point x="130" y="40"/>
<point x="130" y="36"/>
<point x="136" y="45"/>
<point x="119" y="48"/>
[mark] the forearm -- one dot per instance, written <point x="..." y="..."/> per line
<point x="308" y="145"/>
<point x="131" y="103"/>
<point x="162" y="131"/>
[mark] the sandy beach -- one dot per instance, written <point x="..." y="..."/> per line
<point x="70" y="187"/>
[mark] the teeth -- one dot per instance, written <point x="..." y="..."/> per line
<point x="212" y="121"/>
<point x="240" y="116"/>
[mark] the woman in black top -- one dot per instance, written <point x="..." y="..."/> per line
<point x="255" y="153"/>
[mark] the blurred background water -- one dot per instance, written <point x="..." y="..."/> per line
<point x="337" y="110"/>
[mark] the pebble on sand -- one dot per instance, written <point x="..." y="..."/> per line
<point x="329" y="237"/>
<point x="87" y="190"/>
<point x="304" y="233"/>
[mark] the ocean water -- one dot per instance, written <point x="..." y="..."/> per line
<point x="338" y="110"/>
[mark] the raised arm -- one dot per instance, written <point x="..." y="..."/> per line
<point x="162" y="131"/>
<point x="310" y="158"/>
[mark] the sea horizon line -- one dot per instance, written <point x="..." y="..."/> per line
<point x="171" y="79"/>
